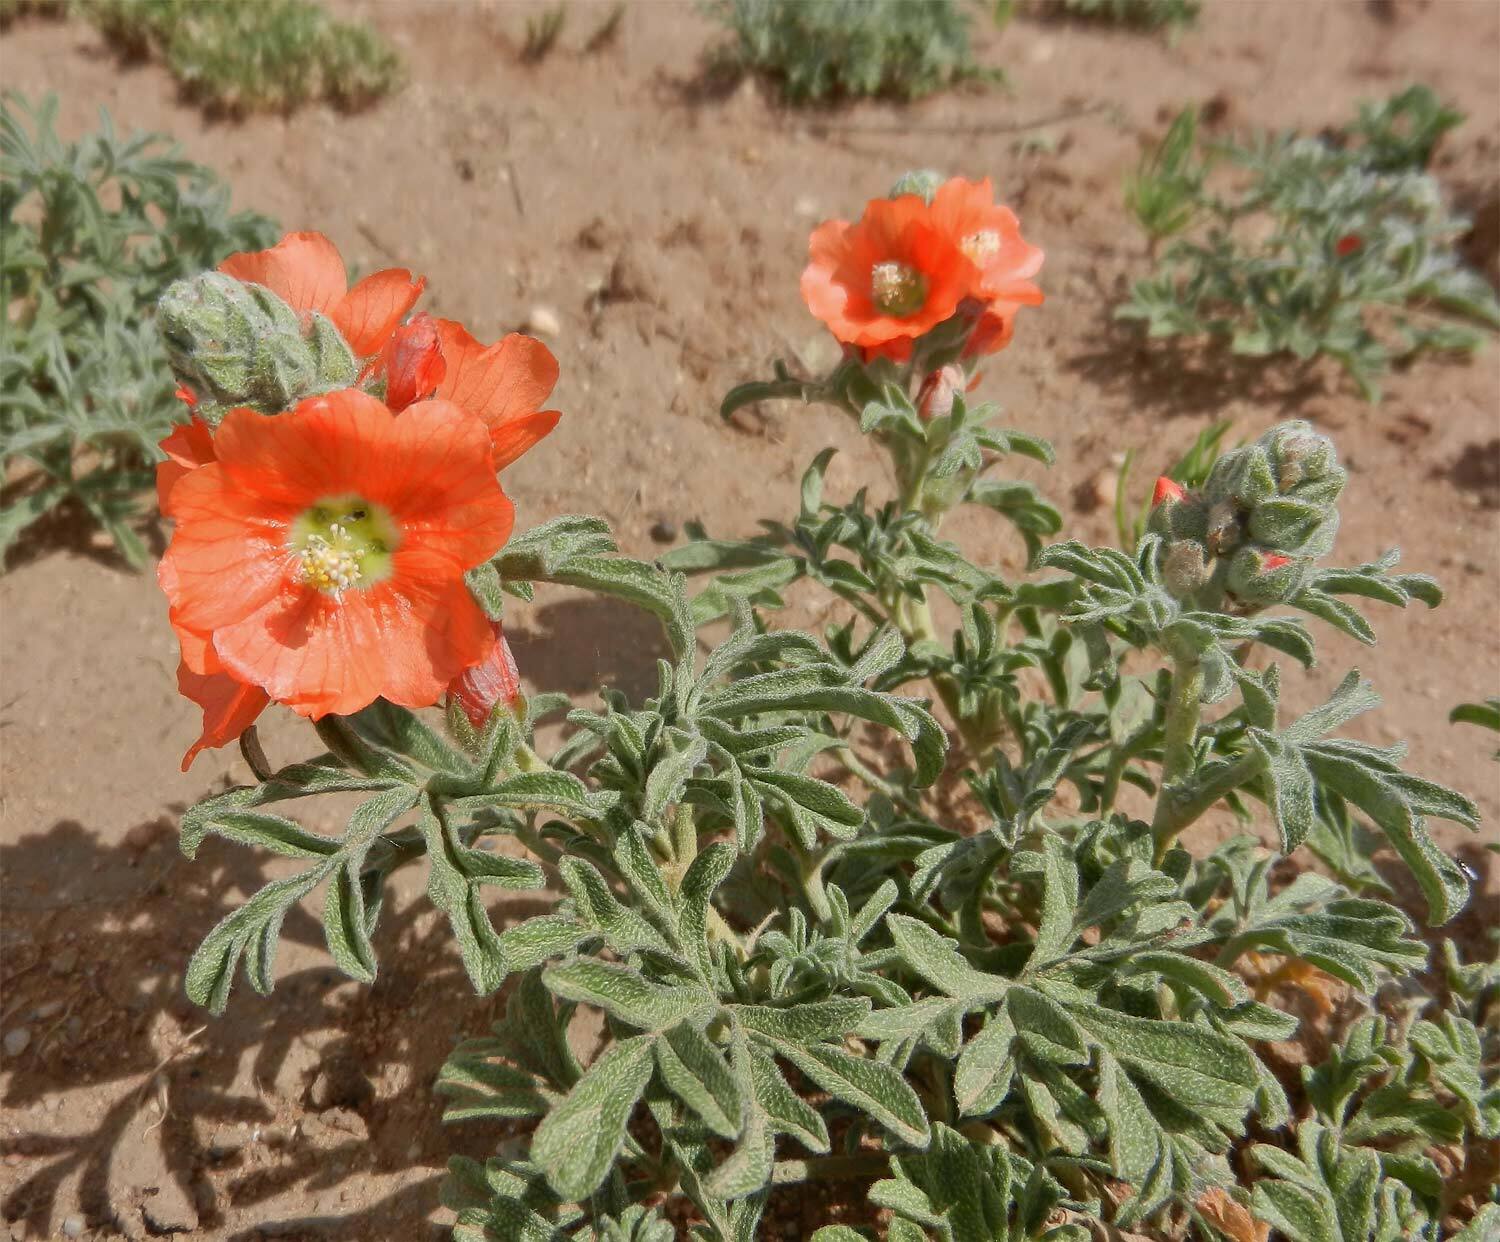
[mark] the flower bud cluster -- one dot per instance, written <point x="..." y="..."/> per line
<point x="238" y="344"/>
<point x="1247" y="538"/>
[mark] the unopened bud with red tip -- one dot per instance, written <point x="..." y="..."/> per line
<point x="494" y="680"/>
<point x="935" y="398"/>
<point x="412" y="362"/>
<point x="1348" y="244"/>
<point x="1167" y="489"/>
<point x="1263" y="578"/>
<point x="186" y="396"/>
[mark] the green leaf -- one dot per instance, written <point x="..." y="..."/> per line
<point x="937" y="960"/>
<point x="624" y="993"/>
<point x="578" y="1140"/>
<point x="804" y="1024"/>
<point x="696" y="1074"/>
<point x="873" y="1088"/>
<point x="787" y="1112"/>
<point x="251" y="933"/>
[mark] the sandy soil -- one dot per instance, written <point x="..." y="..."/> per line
<point x="666" y="225"/>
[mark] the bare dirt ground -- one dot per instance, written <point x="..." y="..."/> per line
<point x="666" y="226"/>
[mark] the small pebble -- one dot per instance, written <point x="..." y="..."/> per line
<point x="543" y="321"/>
<point x="663" y="531"/>
<point x="807" y="208"/>
<point x="73" y="1226"/>
<point x="17" y="1041"/>
<point x="49" y="1010"/>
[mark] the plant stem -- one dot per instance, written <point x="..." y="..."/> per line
<point x="1183" y="710"/>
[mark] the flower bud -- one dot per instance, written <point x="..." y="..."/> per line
<point x="412" y="362"/>
<point x="1348" y="244"/>
<point x="1167" y="490"/>
<point x="1258" y="577"/>
<point x="494" y="680"/>
<point x="236" y="344"/>
<point x="1300" y="455"/>
<point x="923" y="182"/>
<point x="1224" y="530"/>
<point x="935" y="398"/>
<point x="1184" y="569"/>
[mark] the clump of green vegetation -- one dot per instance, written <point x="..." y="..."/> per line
<point x="1341" y="245"/>
<point x="850" y="49"/>
<point x="542" y="32"/>
<point x="238" y="56"/>
<point x="91" y="234"/>
<point x="1173" y="16"/>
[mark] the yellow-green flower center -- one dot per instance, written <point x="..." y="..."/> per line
<point x="897" y="289"/>
<point x="343" y="543"/>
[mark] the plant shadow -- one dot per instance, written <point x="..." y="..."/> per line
<point x="306" y="1112"/>
<point x="1175" y="378"/>
<point x="577" y="645"/>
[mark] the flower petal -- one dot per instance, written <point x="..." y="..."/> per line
<point x="188" y="446"/>
<point x="325" y="447"/>
<point x="501" y="382"/>
<point x="513" y="439"/>
<point x="317" y="653"/>
<point x="436" y="477"/>
<point x="303" y="269"/>
<point x="228" y="552"/>
<point x="229" y="708"/>
<point x="371" y="311"/>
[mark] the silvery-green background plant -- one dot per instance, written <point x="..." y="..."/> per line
<point x="91" y="234"/>
<point x="979" y="979"/>
<point x="1340" y="245"/>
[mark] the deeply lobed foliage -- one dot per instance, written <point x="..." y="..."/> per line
<point x="239" y="56"/>
<point x="848" y="49"/>
<point x="92" y="233"/>
<point x="1340" y="247"/>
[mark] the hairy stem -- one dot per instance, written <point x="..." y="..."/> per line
<point x="1184" y="707"/>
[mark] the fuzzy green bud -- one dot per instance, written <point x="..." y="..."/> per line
<point x="1301" y="455"/>
<point x="1264" y="578"/>
<point x="239" y="344"/>
<point x="1279" y="493"/>
<point x="923" y="182"/>
<point x="1184" y="569"/>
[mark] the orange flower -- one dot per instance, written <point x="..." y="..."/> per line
<point x="990" y="236"/>
<point x="305" y="271"/>
<point x="505" y="384"/>
<point x="493" y="680"/>
<point x="890" y="278"/>
<point x="320" y="557"/>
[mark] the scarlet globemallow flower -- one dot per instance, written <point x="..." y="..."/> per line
<point x="319" y="558"/>
<point x="305" y="271"/>
<point x="890" y="278"/>
<point x="989" y="234"/>
<point x="1347" y="245"/>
